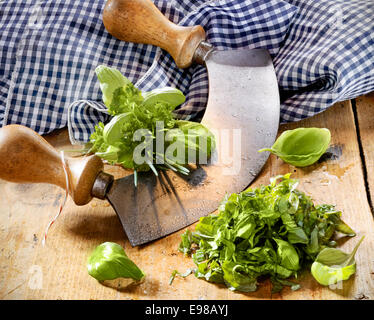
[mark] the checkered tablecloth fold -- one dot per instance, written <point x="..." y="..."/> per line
<point x="323" y="52"/>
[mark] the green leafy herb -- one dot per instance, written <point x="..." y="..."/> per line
<point x="141" y="123"/>
<point x="196" y="141"/>
<point x="110" y="79"/>
<point x="109" y="261"/>
<point x="333" y="265"/>
<point x="167" y="95"/>
<point x="274" y="230"/>
<point x="301" y="147"/>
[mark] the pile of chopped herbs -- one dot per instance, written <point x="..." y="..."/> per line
<point x="272" y="230"/>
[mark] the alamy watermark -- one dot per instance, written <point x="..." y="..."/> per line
<point x="223" y="147"/>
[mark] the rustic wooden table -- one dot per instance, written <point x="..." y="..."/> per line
<point x="58" y="271"/>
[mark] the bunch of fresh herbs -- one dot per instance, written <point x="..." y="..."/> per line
<point x="138" y="117"/>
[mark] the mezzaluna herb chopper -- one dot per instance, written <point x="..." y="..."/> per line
<point x="243" y="100"/>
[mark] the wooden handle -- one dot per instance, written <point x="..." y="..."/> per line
<point x="140" y="21"/>
<point x="26" y="157"/>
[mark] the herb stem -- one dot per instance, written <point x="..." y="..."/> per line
<point x="135" y="178"/>
<point x="152" y="167"/>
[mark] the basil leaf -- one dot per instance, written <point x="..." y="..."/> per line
<point x="327" y="275"/>
<point x="237" y="280"/>
<point x="185" y="245"/>
<point x="113" y="130"/>
<point x="301" y="147"/>
<point x="210" y="271"/>
<point x="332" y="256"/>
<point x="313" y="246"/>
<point x="333" y="265"/>
<point x="295" y="234"/>
<point x="167" y="95"/>
<point x="109" y="261"/>
<point x="195" y="141"/>
<point x="110" y="79"/>
<point x="288" y="255"/>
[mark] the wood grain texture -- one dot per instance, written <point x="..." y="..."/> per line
<point x="25" y="210"/>
<point x="25" y="156"/>
<point x="140" y="21"/>
<point x="365" y="118"/>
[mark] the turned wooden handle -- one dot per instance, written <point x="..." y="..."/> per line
<point x="140" y="21"/>
<point x="26" y="157"/>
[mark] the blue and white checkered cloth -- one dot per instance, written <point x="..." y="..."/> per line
<point x="323" y="52"/>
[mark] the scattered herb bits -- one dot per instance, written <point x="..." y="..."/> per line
<point x="177" y="273"/>
<point x="274" y="230"/>
<point x="301" y="147"/>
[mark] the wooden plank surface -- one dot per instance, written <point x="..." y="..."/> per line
<point x="58" y="270"/>
<point x="365" y="122"/>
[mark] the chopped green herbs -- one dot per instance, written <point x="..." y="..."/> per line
<point x="273" y="230"/>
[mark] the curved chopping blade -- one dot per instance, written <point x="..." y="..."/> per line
<point x="243" y="113"/>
